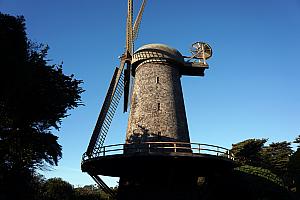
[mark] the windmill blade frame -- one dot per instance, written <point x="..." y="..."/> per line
<point x="131" y="36"/>
<point x="129" y="32"/>
<point x="108" y="109"/>
<point x="127" y="81"/>
<point x="120" y="83"/>
<point x="136" y="26"/>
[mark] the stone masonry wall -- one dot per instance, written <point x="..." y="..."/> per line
<point x="157" y="110"/>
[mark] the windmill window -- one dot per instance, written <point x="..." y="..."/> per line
<point x="157" y="79"/>
<point x="158" y="106"/>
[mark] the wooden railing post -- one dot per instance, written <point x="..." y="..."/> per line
<point x="104" y="151"/>
<point x="175" y="147"/>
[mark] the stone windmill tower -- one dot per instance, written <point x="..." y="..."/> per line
<point x="157" y="160"/>
<point x="157" y="105"/>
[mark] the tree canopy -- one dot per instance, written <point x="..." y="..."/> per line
<point x="248" y="152"/>
<point x="278" y="158"/>
<point x="34" y="98"/>
<point x="57" y="189"/>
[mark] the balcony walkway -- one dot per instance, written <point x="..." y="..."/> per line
<point x="157" y="157"/>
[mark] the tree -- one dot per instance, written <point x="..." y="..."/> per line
<point x="34" y="98"/>
<point x="88" y="192"/>
<point x="297" y="141"/>
<point x="57" y="189"/>
<point x="276" y="157"/>
<point x="294" y="167"/>
<point x="91" y="192"/>
<point x="248" y="152"/>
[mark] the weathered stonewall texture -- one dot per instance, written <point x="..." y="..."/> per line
<point x="157" y="110"/>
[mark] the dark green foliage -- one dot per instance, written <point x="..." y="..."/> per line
<point x="276" y="157"/>
<point x="256" y="183"/>
<point x="297" y="141"/>
<point x="242" y="184"/>
<point x="294" y="168"/>
<point x="294" y="172"/>
<point x="57" y="189"/>
<point x="89" y="192"/>
<point x="21" y="184"/>
<point x="33" y="92"/>
<point x="261" y="172"/>
<point x="248" y="152"/>
<point x="294" y="164"/>
<point x="34" y="98"/>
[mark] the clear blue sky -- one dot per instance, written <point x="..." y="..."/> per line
<point x="250" y="91"/>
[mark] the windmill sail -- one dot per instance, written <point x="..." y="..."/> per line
<point x="129" y="32"/>
<point x="138" y="20"/>
<point x="126" y="86"/>
<point x="131" y="36"/>
<point x="120" y="83"/>
<point x="108" y="109"/>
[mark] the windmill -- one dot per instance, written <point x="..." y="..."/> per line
<point x="157" y="134"/>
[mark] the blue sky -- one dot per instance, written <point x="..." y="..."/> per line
<point x="250" y="91"/>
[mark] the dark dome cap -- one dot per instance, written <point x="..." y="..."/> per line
<point x="156" y="52"/>
<point x="161" y="47"/>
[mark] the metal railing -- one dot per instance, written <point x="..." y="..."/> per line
<point x="161" y="147"/>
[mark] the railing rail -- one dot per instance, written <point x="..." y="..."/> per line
<point x="160" y="147"/>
